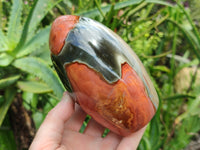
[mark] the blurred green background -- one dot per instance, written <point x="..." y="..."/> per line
<point x="164" y="34"/>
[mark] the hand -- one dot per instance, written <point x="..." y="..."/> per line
<point x="60" y="131"/>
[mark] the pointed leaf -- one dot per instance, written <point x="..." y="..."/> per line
<point x="155" y="132"/>
<point x="160" y="2"/>
<point x="25" y="30"/>
<point x="5" y="59"/>
<point x="8" y="81"/>
<point x="30" y="101"/>
<point x="39" y="68"/>
<point x="41" y="9"/>
<point x="9" y="96"/>
<point x="162" y="68"/>
<point x="1" y="99"/>
<point x="193" y="109"/>
<point x="36" y="42"/>
<point x="7" y="139"/>
<point x="1" y="14"/>
<point x="14" y="25"/>
<point x="196" y="32"/>
<point x="3" y="42"/>
<point x="34" y="87"/>
<point x="95" y="12"/>
<point x="191" y="39"/>
<point x="38" y="117"/>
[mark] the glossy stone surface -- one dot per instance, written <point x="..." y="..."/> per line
<point x="107" y="78"/>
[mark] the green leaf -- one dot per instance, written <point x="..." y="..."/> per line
<point x="95" y="12"/>
<point x="38" y="117"/>
<point x="3" y="42"/>
<point x="8" y="81"/>
<point x="43" y="53"/>
<point x="9" y="96"/>
<point x="196" y="32"/>
<point x="14" y="25"/>
<point x="5" y="59"/>
<point x="30" y="101"/>
<point x="193" y="109"/>
<point x="183" y="133"/>
<point x="7" y="139"/>
<point x="162" y="68"/>
<point x="160" y="2"/>
<point x="1" y="99"/>
<point x="36" y="42"/>
<point x="1" y="14"/>
<point x="145" y="144"/>
<point x="155" y="132"/>
<point x="41" y="9"/>
<point x="34" y="87"/>
<point x="179" y="96"/>
<point x="40" y="69"/>
<point x="191" y="39"/>
<point x="24" y="34"/>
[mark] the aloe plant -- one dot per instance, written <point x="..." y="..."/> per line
<point x="25" y="65"/>
<point x="17" y="46"/>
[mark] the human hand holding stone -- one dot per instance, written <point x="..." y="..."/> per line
<point x="60" y="131"/>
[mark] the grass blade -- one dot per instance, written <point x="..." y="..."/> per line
<point x="95" y="12"/>
<point x="195" y="46"/>
<point x="155" y="132"/>
<point x="40" y="69"/>
<point x="99" y="8"/>
<point x="160" y="2"/>
<point x="191" y="22"/>
<point x="179" y="96"/>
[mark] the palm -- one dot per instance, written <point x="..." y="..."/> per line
<point x="60" y="132"/>
<point x="91" y="138"/>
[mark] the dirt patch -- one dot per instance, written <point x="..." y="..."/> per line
<point x="22" y="124"/>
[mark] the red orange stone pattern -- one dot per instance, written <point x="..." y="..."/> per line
<point x="124" y="106"/>
<point x="59" y="30"/>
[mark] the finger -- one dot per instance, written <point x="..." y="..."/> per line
<point x="132" y="141"/>
<point x="76" y="120"/>
<point x="51" y="130"/>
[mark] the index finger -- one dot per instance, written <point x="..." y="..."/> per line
<point x="51" y="130"/>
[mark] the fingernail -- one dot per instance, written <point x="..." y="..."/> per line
<point x="66" y="96"/>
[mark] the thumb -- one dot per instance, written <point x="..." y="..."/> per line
<point x="62" y="111"/>
<point x="50" y="132"/>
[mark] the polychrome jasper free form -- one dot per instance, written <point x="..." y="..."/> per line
<point x="105" y="75"/>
